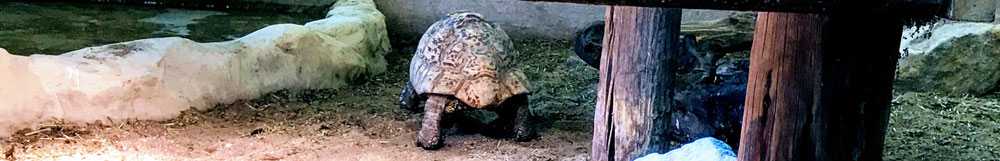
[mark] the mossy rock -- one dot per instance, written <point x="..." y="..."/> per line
<point x="964" y="65"/>
<point x="731" y="34"/>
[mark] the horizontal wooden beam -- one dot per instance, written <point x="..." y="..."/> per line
<point x="898" y="8"/>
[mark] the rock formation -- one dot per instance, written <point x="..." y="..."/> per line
<point x="155" y="79"/>
<point x="955" y="58"/>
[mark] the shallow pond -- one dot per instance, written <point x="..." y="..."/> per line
<point x="54" y="28"/>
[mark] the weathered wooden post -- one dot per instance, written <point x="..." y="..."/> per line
<point x="784" y="64"/>
<point x="820" y="80"/>
<point x="635" y="89"/>
<point x="820" y="87"/>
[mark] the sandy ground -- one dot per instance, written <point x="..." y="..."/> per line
<point x="361" y="122"/>
<point x="281" y="132"/>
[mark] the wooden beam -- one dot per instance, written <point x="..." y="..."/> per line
<point x="820" y="87"/>
<point x="636" y="82"/>
<point x="896" y="8"/>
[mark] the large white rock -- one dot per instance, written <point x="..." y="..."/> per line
<point x="154" y="79"/>
<point x="956" y="58"/>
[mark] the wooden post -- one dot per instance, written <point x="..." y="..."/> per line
<point x="635" y="86"/>
<point x="820" y="87"/>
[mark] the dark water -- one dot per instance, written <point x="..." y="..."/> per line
<point x="54" y="28"/>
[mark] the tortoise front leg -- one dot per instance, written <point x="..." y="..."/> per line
<point x="430" y="136"/>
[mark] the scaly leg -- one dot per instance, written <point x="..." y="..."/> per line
<point x="514" y="119"/>
<point x="523" y="131"/>
<point x="430" y="136"/>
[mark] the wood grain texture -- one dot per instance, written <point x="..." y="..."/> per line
<point x="858" y="70"/>
<point x="819" y="88"/>
<point x="635" y="87"/>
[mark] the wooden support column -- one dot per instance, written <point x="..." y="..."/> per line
<point x="635" y="87"/>
<point x="820" y="87"/>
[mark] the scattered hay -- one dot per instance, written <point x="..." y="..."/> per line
<point x="930" y="126"/>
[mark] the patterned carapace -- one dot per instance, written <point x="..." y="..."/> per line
<point x="467" y="57"/>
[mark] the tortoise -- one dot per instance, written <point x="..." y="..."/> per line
<point x="463" y="62"/>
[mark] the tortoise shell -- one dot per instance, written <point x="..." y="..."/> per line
<point x="467" y="57"/>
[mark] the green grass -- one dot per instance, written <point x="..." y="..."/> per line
<point x="928" y="126"/>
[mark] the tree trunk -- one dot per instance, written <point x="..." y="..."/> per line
<point x="820" y="87"/>
<point x="635" y="87"/>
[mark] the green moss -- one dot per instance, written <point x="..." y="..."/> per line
<point x="965" y="65"/>
<point x="732" y="34"/>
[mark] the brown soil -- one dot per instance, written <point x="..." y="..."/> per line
<point x="360" y="122"/>
<point x="280" y="132"/>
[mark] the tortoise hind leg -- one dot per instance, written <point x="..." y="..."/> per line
<point x="514" y="119"/>
<point x="523" y="131"/>
<point x="430" y="136"/>
<point x="409" y="99"/>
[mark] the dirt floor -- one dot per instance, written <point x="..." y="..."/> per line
<point x="361" y="122"/>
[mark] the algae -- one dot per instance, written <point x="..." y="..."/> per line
<point x="235" y="24"/>
<point x="35" y="28"/>
<point x="54" y="28"/>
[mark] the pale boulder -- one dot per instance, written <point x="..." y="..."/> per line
<point x="955" y="58"/>
<point x="156" y="79"/>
